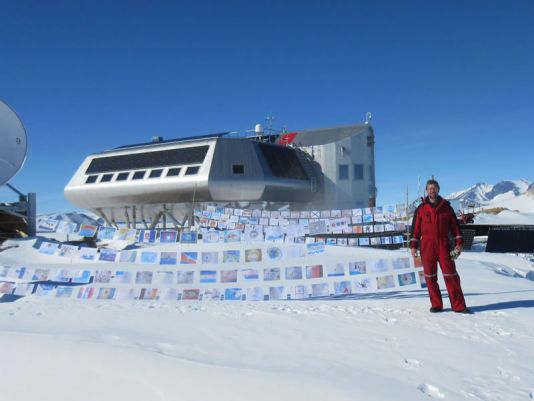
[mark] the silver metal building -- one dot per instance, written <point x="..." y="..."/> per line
<point x="166" y="179"/>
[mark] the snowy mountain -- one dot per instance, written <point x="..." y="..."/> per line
<point x="484" y="194"/>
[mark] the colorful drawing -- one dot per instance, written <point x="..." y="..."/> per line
<point x="6" y="287"/>
<point x="148" y="294"/>
<point x="233" y="294"/>
<point x="168" y="237"/>
<point x="208" y="276"/>
<point x="122" y="277"/>
<point x="342" y="288"/>
<point x="254" y="294"/>
<point x="231" y="256"/>
<point x="168" y="258"/>
<point x="185" y="277"/>
<point x="107" y="255"/>
<point x="188" y="258"/>
<point x="252" y="255"/>
<point x="127" y="256"/>
<point x="250" y="274"/>
<point x="401" y="263"/>
<point x="102" y="276"/>
<point x="364" y="241"/>
<point x="210" y="237"/>
<point x="300" y="292"/>
<point x="380" y="266"/>
<point x="315" y="271"/>
<point x="87" y="230"/>
<point x="320" y="290"/>
<point x="144" y="277"/>
<point x="315" y="248"/>
<point x="277" y="293"/>
<point x="271" y="274"/>
<point x="422" y="278"/>
<point x="148" y="257"/>
<point x="147" y="236"/>
<point x="293" y="272"/>
<point x="212" y="294"/>
<point x="40" y="275"/>
<point x="106" y="293"/>
<point x="406" y="279"/>
<point x="358" y="267"/>
<point x="210" y="258"/>
<point x="232" y="236"/>
<point x="81" y="276"/>
<point x="48" y="248"/>
<point x="87" y="253"/>
<point x="189" y="237"/>
<point x="191" y="294"/>
<point x="384" y="282"/>
<point x="363" y="284"/>
<point x="375" y="241"/>
<point x="229" y="276"/>
<point x="106" y="233"/>
<point x="85" y="293"/>
<point x="335" y="269"/>
<point x="64" y="292"/>
<point x="68" y="251"/>
<point x="164" y="277"/>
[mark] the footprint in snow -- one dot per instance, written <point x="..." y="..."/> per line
<point x="412" y="363"/>
<point x="430" y="390"/>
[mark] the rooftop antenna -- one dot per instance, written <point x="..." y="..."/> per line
<point x="270" y="118"/>
<point x="368" y="117"/>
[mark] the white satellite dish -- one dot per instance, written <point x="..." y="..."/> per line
<point x="13" y="145"/>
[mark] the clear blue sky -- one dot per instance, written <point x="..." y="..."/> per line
<point x="450" y="84"/>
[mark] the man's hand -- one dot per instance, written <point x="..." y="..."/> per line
<point x="456" y="252"/>
<point x="415" y="253"/>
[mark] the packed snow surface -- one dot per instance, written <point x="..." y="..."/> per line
<point x="383" y="346"/>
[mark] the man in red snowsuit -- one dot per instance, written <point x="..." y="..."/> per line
<point x="432" y="222"/>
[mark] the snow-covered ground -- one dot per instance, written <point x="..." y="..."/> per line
<point x="381" y="346"/>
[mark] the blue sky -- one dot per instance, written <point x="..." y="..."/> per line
<point x="450" y="84"/>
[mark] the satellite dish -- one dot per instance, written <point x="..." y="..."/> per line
<point x="13" y="144"/>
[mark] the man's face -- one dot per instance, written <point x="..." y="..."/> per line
<point x="432" y="191"/>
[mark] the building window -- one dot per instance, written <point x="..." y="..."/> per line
<point x="192" y="170"/>
<point x="173" y="172"/>
<point x="122" y="176"/>
<point x="358" y="172"/>
<point x="343" y="171"/>
<point x="155" y="173"/>
<point x="106" y="178"/>
<point x="91" y="179"/>
<point x="238" y="169"/>
<point x="139" y="175"/>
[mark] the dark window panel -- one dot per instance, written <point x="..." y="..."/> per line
<point x="146" y="160"/>
<point x="343" y="171"/>
<point x="238" y="169"/>
<point x="106" y="178"/>
<point x="155" y="173"/>
<point x="283" y="161"/>
<point x="173" y="172"/>
<point x="91" y="179"/>
<point x="139" y="175"/>
<point x="358" y="171"/>
<point x="122" y="176"/>
<point x="192" y="170"/>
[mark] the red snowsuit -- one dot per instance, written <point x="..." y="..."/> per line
<point x="431" y="226"/>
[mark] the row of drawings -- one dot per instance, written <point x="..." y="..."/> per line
<point x="207" y="275"/>
<point x="268" y="223"/>
<point x="273" y="253"/>
<point x="379" y="213"/>
<point x="254" y="293"/>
